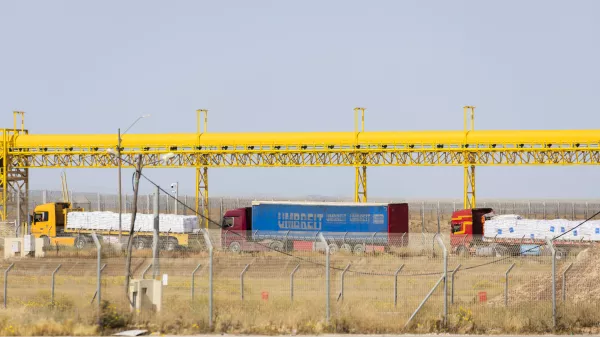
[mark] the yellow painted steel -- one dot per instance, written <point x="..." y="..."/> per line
<point x="202" y="206"/>
<point x="484" y="139"/>
<point x="360" y="180"/>
<point x="360" y="185"/>
<point x="203" y="150"/>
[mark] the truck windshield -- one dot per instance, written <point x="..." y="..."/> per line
<point x="455" y="228"/>
<point x="227" y="222"/>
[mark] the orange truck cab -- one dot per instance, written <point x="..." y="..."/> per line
<point x="467" y="228"/>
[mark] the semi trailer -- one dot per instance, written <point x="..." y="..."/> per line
<point x="61" y="224"/>
<point x="479" y="231"/>
<point x="285" y="226"/>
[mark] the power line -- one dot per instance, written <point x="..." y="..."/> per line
<point x="350" y="270"/>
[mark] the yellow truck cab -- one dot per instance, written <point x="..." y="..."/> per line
<point x="49" y="223"/>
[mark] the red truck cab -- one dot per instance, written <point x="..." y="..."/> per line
<point x="467" y="227"/>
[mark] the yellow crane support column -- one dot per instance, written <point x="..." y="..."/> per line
<point x="202" y="206"/>
<point x="4" y="174"/>
<point x="469" y="168"/>
<point x="14" y="180"/>
<point x="360" y="181"/>
<point x="202" y="195"/>
<point x="360" y="190"/>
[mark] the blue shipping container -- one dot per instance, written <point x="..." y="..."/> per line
<point x="322" y="217"/>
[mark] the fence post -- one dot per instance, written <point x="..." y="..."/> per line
<point x="424" y="301"/>
<point x="242" y="280"/>
<point x="506" y="284"/>
<point x="185" y="205"/>
<point x="549" y="241"/>
<point x="98" y="269"/>
<point x="423" y="217"/>
<point x="327" y="279"/>
<point x="573" y="211"/>
<point x="529" y="210"/>
<point x="452" y="277"/>
<point x="221" y="211"/>
<point x="544" y="204"/>
<point x="52" y="292"/>
<point x="98" y="196"/>
<point x="210" y="276"/>
<point x="292" y="282"/>
<point x="445" y="252"/>
<point x="564" y="282"/>
<point x="342" y="281"/>
<point x="193" y="281"/>
<point x="146" y="270"/>
<point x="6" y="282"/>
<point x="438" y="216"/>
<point x="396" y="285"/>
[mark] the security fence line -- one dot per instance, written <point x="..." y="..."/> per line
<point x="426" y="209"/>
<point x="434" y="281"/>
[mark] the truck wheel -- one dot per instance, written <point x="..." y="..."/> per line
<point x="80" y="242"/>
<point x="346" y="248"/>
<point x="333" y="248"/>
<point x="172" y="244"/>
<point x="140" y="243"/>
<point x="359" y="248"/>
<point x="277" y="245"/>
<point x="235" y="247"/>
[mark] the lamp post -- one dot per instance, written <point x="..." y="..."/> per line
<point x="175" y="190"/>
<point x="138" y="173"/>
<point x="119" y="157"/>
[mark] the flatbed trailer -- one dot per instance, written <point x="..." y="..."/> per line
<point x="50" y="223"/>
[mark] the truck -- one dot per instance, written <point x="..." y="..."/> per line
<point x="50" y="222"/>
<point x="286" y="226"/>
<point x="480" y="232"/>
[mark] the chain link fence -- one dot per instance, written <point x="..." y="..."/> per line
<point x="356" y="282"/>
<point x="423" y="213"/>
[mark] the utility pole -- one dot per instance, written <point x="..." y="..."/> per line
<point x="120" y="201"/>
<point x="136" y="184"/>
<point x="156" y="236"/>
<point x="175" y="190"/>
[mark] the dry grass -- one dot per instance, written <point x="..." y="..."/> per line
<point x="367" y="307"/>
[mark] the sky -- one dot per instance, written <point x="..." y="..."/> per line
<point x="93" y="67"/>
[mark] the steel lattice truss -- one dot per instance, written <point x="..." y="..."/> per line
<point x="312" y="158"/>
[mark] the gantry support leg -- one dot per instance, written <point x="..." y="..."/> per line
<point x="4" y="177"/>
<point x="469" y="188"/>
<point x="360" y="185"/>
<point x="14" y="184"/>
<point x="202" y="195"/>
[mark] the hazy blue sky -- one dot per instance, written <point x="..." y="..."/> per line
<point x="91" y="67"/>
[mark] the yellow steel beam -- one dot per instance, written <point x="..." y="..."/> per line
<point x="216" y="141"/>
<point x="562" y="154"/>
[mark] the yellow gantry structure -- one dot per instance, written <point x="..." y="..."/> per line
<point x="202" y="150"/>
